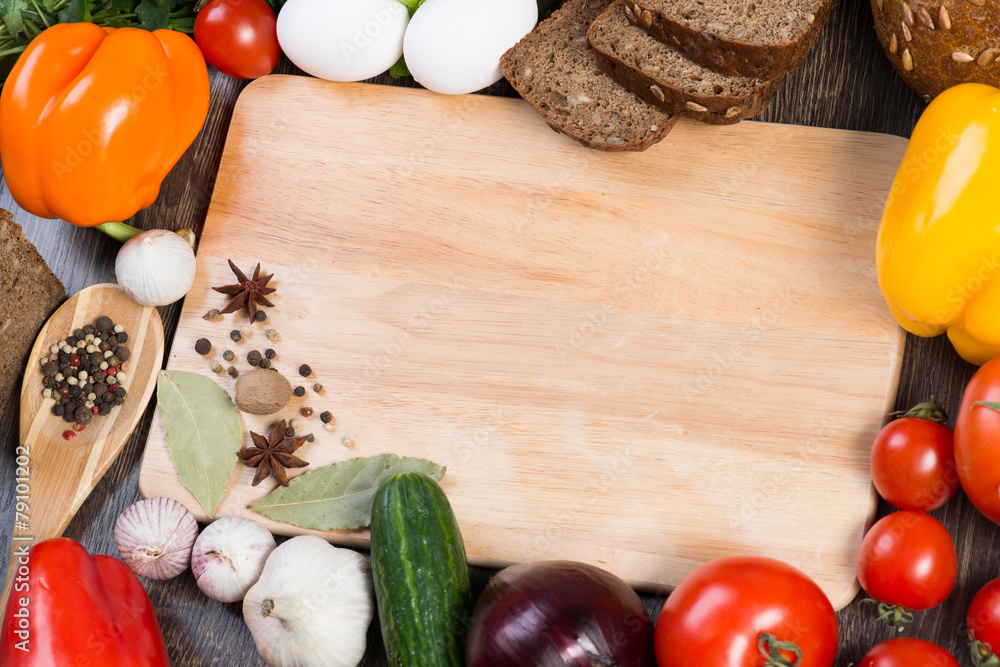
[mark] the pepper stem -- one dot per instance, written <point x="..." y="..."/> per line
<point x="982" y="653"/>
<point x="771" y="648"/>
<point x="119" y="231"/>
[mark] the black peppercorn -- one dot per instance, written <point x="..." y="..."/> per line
<point x="71" y="341"/>
<point x="228" y="355"/>
<point x="269" y="352"/>
<point x="304" y="370"/>
<point x="260" y="316"/>
<point x="104" y="325"/>
<point x="123" y="353"/>
<point x="68" y="416"/>
<point x="58" y="410"/>
<point x="50" y="368"/>
<point x="119" y="392"/>
<point x="122" y="337"/>
<point x="265" y="363"/>
<point x="203" y="346"/>
<point x="310" y="438"/>
<point x="48" y="383"/>
<point x="299" y="391"/>
<point x="289" y="432"/>
<point x="119" y="400"/>
<point x="89" y="330"/>
<point x="96" y="358"/>
<point x="253" y="357"/>
<point x="74" y="390"/>
<point x="235" y="335"/>
<point x="326" y="416"/>
<point x="83" y="415"/>
<point x="105" y="408"/>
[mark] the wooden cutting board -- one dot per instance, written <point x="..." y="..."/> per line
<point x="641" y="361"/>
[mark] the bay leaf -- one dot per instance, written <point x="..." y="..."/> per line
<point x="338" y="496"/>
<point x="202" y="427"/>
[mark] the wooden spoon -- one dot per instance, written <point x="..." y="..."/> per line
<point x="61" y="473"/>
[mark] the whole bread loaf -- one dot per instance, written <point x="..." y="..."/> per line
<point x="553" y="70"/>
<point x="755" y="38"/>
<point x="935" y="45"/>
<point x="663" y="77"/>
<point x="29" y="292"/>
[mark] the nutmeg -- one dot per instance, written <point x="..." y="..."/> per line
<point x="262" y="392"/>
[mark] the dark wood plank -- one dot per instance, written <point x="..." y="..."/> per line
<point x="845" y="83"/>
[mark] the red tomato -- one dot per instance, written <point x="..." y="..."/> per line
<point x="908" y="559"/>
<point x="977" y="441"/>
<point x="717" y="615"/>
<point x="238" y="37"/>
<point x="908" y="652"/>
<point x="913" y="461"/>
<point x="983" y="621"/>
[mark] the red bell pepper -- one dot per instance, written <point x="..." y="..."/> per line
<point x="69" y="609"/>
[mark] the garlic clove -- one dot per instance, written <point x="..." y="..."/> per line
<point x="229" y="556"/>
<point x="156" y="268"/>
<point x="154" y="537"/>
<point x="312" y="605"/>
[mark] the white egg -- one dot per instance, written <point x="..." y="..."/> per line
<point x="342" y="40"/>
<point x="454" y="46"/>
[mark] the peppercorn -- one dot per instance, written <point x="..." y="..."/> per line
<point x="317" y="387"/>
<point x="83" y="415"/>
<point x="245" y="330"/>
<point x="58" y="410"/>
<point x="272" y="335"/>
<point x="235" y="335"/>
<point x="50" y="368"/>
<point x="122" y="337"/>
<point x="203" y="346"/>
<point x="104" y="324"/>
<point x="119" y="391"/>
<point x="217" y="368"/>
<point x="89" y="330"/>
<point x="260" y="316"/>
<point x="326" y="416"/>
<point x="79" y="427"/>
<point x="289" y="432"/>
<point x="69" y="435"/>
<point x="269" y="352"/>
<point x="213" y="314"/>
<point x="306" y="411"/>
<point x="328" y="428"/>
<point x="253" y="357"/>
<point x="265" y="363"/>
<point x="305" y="371"/>
<point x="233" y="372"/>
<point x="299" y="391"/>
<point x="310" y="438"/>
<point x="123" y="354"/>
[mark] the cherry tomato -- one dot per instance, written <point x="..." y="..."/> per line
<point x="977" y="441"/>
<point x="908" y="559"/>
<point x="913" y="460"/>
<point x="908" y="652"/>
<point x="729" y="611"/>
<point x="238" y="37"/>
<point x="983" y="620"/>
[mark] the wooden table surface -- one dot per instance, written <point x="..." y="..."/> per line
<point x="846" y="83"/>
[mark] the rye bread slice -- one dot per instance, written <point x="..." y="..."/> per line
<point x="758" y="38"/>
<point x="29" y="292"/>
<point x="663" y="77"/>
<point x="553" y="70"/>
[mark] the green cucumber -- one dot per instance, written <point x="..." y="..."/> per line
<point x="421" y="575"/>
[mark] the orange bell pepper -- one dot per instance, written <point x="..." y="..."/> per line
<point x="92" y="119"/>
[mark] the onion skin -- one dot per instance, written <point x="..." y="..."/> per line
<point x="559" y="614"/>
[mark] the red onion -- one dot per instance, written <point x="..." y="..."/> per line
<point x="559" y="614"/>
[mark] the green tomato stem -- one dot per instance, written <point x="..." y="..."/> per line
<point x="982" y="653"/>
<point x="119" y="231"/>
<point x="771" y="648"/>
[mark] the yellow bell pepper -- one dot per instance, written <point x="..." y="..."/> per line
<point x="92" y="119"/>
<point x="938" y="248"/>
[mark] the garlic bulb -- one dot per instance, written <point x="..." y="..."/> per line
<point x="312" y="605"/>
<point x="229" y="556"/>
<point x="156" y="267"/>
<point x="155" y="536"/>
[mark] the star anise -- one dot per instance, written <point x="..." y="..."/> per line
<point x="248" y="292"/>
<point x="271" y="455"/>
